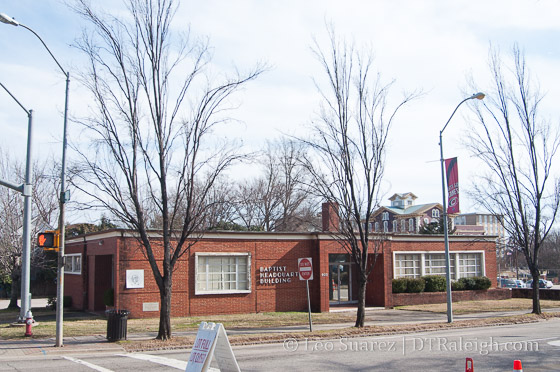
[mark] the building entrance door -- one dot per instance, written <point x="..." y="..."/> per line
<point x="340" y="277"/>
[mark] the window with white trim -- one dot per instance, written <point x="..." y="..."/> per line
<point x="434" y="264"/>
<point x="385" y="226"/>
<point x="411" y="225"/>
<point x="73" y="263"/>
<point x="385" y="216"/>
<point x="403" y="225"/>
<point x="435" y="213"/>
<point x="395" y="226"/>
<point x="222" y="273"/>
<point x="407" y="265"/>
<point x="470" y="264"/>
<point x="462" y="264"/>
<point x="377" y="226"/>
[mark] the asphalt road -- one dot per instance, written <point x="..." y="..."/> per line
<point x="492" y="349"/>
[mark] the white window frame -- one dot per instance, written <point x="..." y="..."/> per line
<point x="385" y="216"/>
<point x="455" y="257"/>
<point x="385" y="226"/>
<point x="202" y="255"/>
<point x="465" y="271"/>
<point x="395" y="226"/>
<point x="435" y="213"/>
<point x="411" y="224"/>
<point x="75" y="269"/>
<point x="416" y="268"/>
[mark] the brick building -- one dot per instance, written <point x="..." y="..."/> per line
<point x="247" y="272"/>
<point x="403" y="216"/>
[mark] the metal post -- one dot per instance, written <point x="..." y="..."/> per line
<point x="446" y="235"/>
<point x="62" y="229"/>
<point x="26" y="253"/>
<point x="309" y="306"/>
<point x="26" y="191"/>
<point x="445" y="229"/>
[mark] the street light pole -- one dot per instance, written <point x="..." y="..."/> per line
<point x="26" y="190"/>
<point x="445" y="228"/>
<point x="63" y="198"/>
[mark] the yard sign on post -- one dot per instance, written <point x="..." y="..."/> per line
<point x="211" y="340"/>
<point x="305" y="268"/>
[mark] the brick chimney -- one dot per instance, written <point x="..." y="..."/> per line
<point x="330" y="217"/>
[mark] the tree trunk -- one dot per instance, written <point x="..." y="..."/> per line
<point x="536" y="296"/>
<point x="361" y="315"/>
<point x="164" y="332"/>
<point x="16" y="286"/>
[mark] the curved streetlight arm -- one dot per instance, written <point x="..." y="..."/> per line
<point x="15" y="99"/>
<point x="4" y="18"/>
<point x="46" y="47"/>
<point x="478" y="95"/>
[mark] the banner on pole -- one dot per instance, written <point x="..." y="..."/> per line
<point x="452" y="186"/>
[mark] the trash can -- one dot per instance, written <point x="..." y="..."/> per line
<point x="116" y="324"/>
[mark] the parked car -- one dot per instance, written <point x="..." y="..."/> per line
<point x="519" y="283"/>
<point x="542" y="283"/>
<point x="507" y="283"/>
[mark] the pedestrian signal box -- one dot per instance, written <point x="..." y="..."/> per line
<point x="49" y="240"/>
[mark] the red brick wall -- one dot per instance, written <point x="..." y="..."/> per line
<point x="266" y="250"/>
<point x="403" y="299"/>
<point x="262" y="298"/>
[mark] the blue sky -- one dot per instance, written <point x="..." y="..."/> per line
<point x="427" y="45"/>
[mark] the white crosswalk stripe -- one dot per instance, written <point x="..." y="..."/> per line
<point x="87" y="364"/>
<point x="173" y="363"/>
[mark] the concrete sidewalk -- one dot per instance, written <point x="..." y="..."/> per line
<point x="12" y="349"/>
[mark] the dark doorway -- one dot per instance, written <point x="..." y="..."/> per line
<point x="341" y="279"/>
<point x="103" y="279"/>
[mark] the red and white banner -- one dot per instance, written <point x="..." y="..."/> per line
<point x="452" y="186"/>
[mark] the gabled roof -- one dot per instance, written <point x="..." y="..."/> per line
<point x="403" y="196"/>
<point x="413" y="210"/>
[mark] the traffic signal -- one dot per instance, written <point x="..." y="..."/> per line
<point x="48" y="240"/>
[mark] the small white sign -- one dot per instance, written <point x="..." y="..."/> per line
<point x="211" y="340"/>
<point x="134" y="278"/>
<point x="150" y="306"/>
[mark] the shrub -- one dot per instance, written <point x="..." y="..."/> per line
<point x="457" y="286"/>
<point x="434" y="283"/>
<point x="399" y="285"/>
<point x="469" y="283"/>
<point x="482" y="282"/>
<point x="415" y="285"/>
<point x="473" y="283"/>
<point x="109" y="297"/>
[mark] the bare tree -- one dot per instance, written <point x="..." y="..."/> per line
<point x="43" y="216"/>
<point x="153" y="147"/>
<point x="550" y="253"/>
<point x="279" y="199"/>
<point x="348" y="150"/>
<point x="518" y="145"/>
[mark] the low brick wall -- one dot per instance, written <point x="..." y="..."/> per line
<point x="544" y="294"/>
<point x="403" y="299"/>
